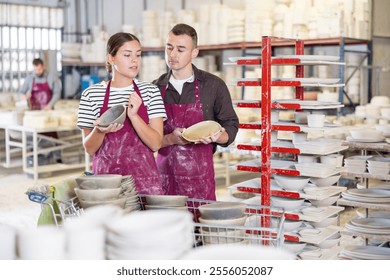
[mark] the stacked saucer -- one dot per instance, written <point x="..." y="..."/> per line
<point x="378" y="165"/>
<point x="129" y="192"/>
<point x="356" y="164"/>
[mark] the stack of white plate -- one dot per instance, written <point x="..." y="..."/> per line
<point x="378" y="165"/>
<point x="369" y="225"/>
<point x="129" y="192"/>
<point x="356" y="164"/>
<point x="160" y="234"/>
<point x="372" y="195"/>
<point x="365" y="253"/>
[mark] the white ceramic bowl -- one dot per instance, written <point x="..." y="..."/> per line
<point x="166" y="200"/>
<point x="224" y="222"/>
<point x="325" y="182"/>
<point x="291" y="225"/>
<point x="99" y="181"/>
<point x="286" y="203"/>
<point x="333" y="159"/>
<point x="292" y="183"/>
<point x="294" y="247"/>
<point x="332" y="220"/>
<point x="330" y="242"/>
<point x="162" y="207"/>
<point x="222" y="210"/>
<point x="366" y="134"/>
<point x="309" y="232"/>
<point x="116" y="114"/>
<point x="311" y="253"/>
<point x="316" y="120"/>
<point x="326" y="201"/>
<point x="119" y="201"/>
<point x="97" y="194"/>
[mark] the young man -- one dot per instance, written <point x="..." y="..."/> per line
<point x="191" y="96"/>
<point x="45" y="88"/>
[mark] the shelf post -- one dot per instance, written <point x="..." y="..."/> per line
<point x="266" y="121"/>
<point x="299" y="72"/>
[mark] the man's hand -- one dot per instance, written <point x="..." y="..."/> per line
<point x="212" y="138"/>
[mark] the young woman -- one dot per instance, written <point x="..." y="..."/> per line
<point x="124" y="149"/>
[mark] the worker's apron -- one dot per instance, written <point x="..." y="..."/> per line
<point x="123" y="152"/>
<point x="186" y="169"/>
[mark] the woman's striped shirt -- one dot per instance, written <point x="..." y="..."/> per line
<point x="92" y="100"/>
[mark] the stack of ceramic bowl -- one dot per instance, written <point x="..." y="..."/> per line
<point x="129" y="192"/>
<point x="356" y="164"/>
<point x="378" y="165"/>
<point x="100" y="189"/>
<point x="160" y="234"/>
<point x="291" y="183"/>
<point x="175" y="202"/>
<point x="219" y="222"/>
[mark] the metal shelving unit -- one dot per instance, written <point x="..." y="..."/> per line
<point x="365" y="147"/>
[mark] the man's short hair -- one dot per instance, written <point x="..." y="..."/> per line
<point x="37" y="61"/>
<point x="185" y="29"/>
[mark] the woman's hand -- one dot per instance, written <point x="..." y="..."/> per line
<point x="114" y="127"/>
<point x="135" y="102"/>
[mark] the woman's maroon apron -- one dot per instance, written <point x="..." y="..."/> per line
<point x="123" y="152"/>
<point x="41" y="95"/>
<point x="186" y="169"/>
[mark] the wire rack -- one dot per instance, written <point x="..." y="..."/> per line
<point x="263" y="226"/>
<point x="59" y="209"/>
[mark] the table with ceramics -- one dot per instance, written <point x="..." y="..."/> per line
<point x="36" y="134"/>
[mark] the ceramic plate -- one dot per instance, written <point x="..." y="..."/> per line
<point x="365" y="199"/>
<point x="370" y="192"/>
<point x="202" y="129"/>
<point x="372" y="140"/>
<point x="352" y="227"/>
<point x="373" y="223"/>
<point x="367" y="252"/>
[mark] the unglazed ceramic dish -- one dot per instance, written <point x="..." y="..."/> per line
<point x="202" y="129"/>
<point x="116" y="114"/>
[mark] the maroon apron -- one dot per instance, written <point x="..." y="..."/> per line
<point x="123" y="152"/>
<point x="41" y="95"/>
<point x="186" y="169"/>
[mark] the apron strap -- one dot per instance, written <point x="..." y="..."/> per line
<point x="106" y="98"/>
<point x="142" y="111"/>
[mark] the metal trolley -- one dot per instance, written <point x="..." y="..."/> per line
<point x="59" y="210"/>
<point x="263" y="226"/>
